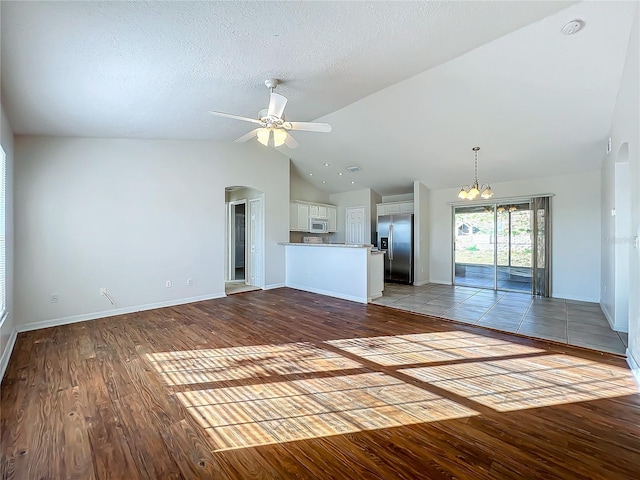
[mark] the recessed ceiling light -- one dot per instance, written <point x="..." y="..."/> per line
<point x="326" y="164"/>
<point x="574" y="26"/>
<point x="324" y="181"/>
<point x="310" y="174"/>
<point x="353" y="181"/>
<point x="340" y="173"/>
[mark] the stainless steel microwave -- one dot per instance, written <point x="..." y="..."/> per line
<point x="318" y="225"/>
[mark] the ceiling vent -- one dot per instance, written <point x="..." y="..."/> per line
<point x="353" y="169"/>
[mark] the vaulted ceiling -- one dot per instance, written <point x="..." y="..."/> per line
<point x="409" y="87"/>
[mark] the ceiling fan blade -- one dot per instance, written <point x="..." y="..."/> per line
<point x="276" y="105"/>
<point x="290" y="141"/>
<point x="247" y="136"/>
<point x="235" y="117"/>
<point x="308" y="126"/>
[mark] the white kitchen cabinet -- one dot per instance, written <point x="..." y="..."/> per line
<point x="303" y="217"/>
<point x="333" y="218"/>
<point x="301" y="212"/>
<point x="318" y="211"/>
<point x="392" y="208"/>
<point x="406" y="207"/>
<point x="293" y="217"/>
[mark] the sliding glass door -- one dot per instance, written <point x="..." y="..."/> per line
<point x="474" y="252"/>
<point x="514" y="241"/>
<point x="503" y="246"/>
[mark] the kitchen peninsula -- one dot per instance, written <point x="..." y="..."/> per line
<point x="351" y="272"/>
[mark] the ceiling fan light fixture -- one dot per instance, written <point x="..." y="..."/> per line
<point x="263" y="136"/>
<point x="279" y="137"/>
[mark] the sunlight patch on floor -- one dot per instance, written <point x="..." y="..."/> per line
<point x="430" y="347"/>
<point x="235" y="363"/>
<point x="238" y="417"/>
<point x="541" y="381"/>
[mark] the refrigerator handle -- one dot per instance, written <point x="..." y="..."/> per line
<point x="390" y="242"/>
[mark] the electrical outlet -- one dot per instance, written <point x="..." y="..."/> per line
<point x="55" y="298"/>
<point x="189" y="282"/>
<point x="103" y="291"/>
<point x="169" y="284"/>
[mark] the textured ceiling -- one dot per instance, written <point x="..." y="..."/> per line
<point x="154" y="69"/>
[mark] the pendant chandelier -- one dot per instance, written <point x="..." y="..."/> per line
<point x="472" y="192"/>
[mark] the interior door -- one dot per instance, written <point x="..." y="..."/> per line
<point x="356" y="225"/>
<point x="256" y="229"/>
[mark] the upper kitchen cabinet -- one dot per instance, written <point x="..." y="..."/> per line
<point x="394" y="208"/>
<point x="300" y="213"/>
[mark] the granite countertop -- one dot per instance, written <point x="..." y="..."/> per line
<point x="342" y="245"/>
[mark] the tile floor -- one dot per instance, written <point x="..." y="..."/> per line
<point x="482" y="276"/>
<point x="566" y="321"/>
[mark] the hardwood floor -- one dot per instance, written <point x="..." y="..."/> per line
<point x="288" y="384"/>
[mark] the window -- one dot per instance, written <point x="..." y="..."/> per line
<point x="3" y="243"/>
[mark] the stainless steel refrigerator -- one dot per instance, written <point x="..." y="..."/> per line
<point x="395" y="238"/>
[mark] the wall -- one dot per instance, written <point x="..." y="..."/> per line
<point x="607" y="249"/>
<point x="7" y="332"/>
<point x="358" y="198"/>
<point x="625" y="128"/>
<point x="129" y="215"/>
<point x="403" y="197"/>
<point x="420" y="233"/>
<point x="575" y="231"/>
<point x="300" y="189"/>
<point x="376" y="198"/>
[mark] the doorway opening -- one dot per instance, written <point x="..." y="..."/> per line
<point x="244" y="239"/>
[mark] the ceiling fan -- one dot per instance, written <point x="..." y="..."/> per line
<point x="272" y="122"/>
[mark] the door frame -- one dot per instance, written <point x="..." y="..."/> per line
<point x="230" y="250"/>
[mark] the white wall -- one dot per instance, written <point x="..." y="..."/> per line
<point x="575" y="224"/>
<point x="358" y="198"/>
<point x="403" y="197"/>
<point x="420" y="233"/>
<point x="625" y="128"/>
<point x="7" y="334"/>
<point x="376" y="198"/>
<point x="607" y="281"/>
<point x="129" y="215"/>
<point x="301" y="189"/>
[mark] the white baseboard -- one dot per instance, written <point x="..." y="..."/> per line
<point x="6" y="355"/>
<point x="112" y="313"/>
<point x="419" y="284"/>
<point x="441" y="282"/>
<point x="633" y="365"/>
<point x="607" y="315"/>
<point x="328" y="293"/>
<point x="555" y="294"/>
<point x="273" y="285"/>
<point x="612" y="324"/>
